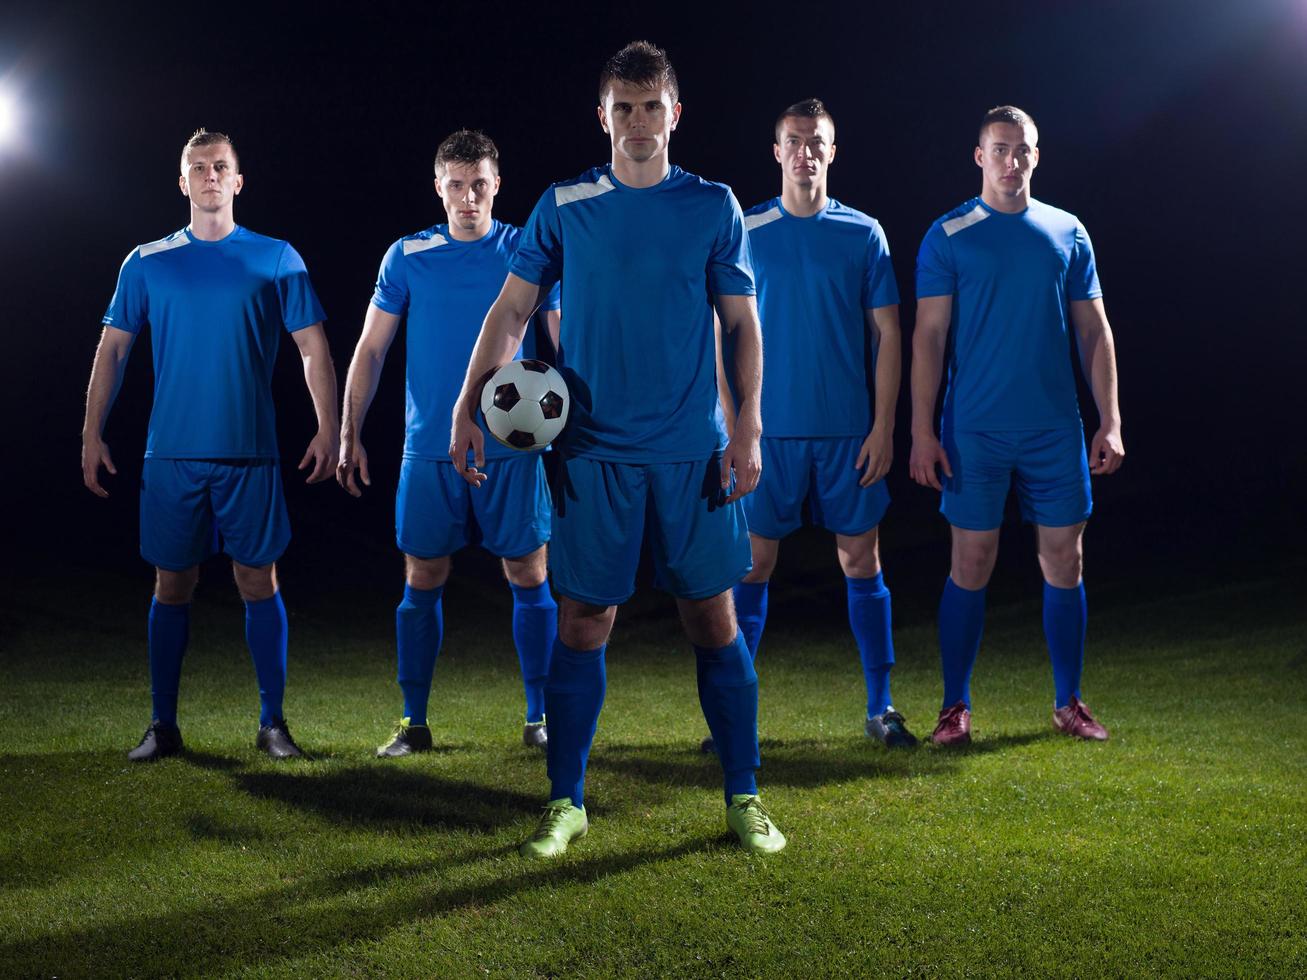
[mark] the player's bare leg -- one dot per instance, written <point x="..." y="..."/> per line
<point x="535" y="626"/>
<point x="1061" y="558"/>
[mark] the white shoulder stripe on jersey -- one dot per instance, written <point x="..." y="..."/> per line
<point x="412" y="245"/>
<point x="581" y="192"/>
<point x="752" y="221"/>
<point x="163" y="244"/>
<point x="955" y="225"/>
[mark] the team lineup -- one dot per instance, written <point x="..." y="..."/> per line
<point x="640" y="275"/>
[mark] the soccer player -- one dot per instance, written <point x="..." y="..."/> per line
<point x="644" y="250"/>
<point x="826" y="293"/>
<point x="1002" y="282"/>
<point x="216" y="297"/>
<point x="444" y="279"/>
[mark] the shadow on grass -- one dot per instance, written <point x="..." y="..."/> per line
<point x="386" y="797"/>
<point x="322" y="913"/>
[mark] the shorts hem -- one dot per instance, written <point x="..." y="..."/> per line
<point x="590" y="600"/>
<point x="708" y="593"/>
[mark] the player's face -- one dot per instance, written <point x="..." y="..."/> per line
<point x="209" y="178"/>
<point x="805" y="148"/>
<point x="1008" y="155"/>
<point x="639" y="121"/>
<point x="468" y="193"/>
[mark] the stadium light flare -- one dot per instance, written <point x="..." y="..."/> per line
<point x="8" y="117"/>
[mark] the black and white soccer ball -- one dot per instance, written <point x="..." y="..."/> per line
<point x="525" y="404"/>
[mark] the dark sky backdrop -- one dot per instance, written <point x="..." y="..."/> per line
<point x="1176" y="131"/>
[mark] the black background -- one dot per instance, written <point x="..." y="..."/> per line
<point x="1177" y="132"/>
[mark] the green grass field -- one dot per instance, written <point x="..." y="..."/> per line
<point x="1178" y="848"/>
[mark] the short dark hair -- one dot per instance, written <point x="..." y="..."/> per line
<point x="1007" y="114"/>
<point x="202" y="137"/>
<point x="469" y="146"/>
<point x="643" y="64"/>
<point x="807" y="109"/>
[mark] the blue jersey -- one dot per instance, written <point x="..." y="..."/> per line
<point x="216" y="311"/>
<point x="1011" y="277"/>
<point x="816" y="277"/>
<point x="446" y="286"/>
<point x="639" y="267"/>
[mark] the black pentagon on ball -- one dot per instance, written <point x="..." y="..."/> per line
<point x="551" y="405"/>
<point x="506" y="396"/>
<point x="521" y="440"/>
<point x="530" y="364"/>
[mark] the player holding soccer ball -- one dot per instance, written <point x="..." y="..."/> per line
<point x="826" y="292"/>
<point x="635" y="243"/>
<point x="216" y="297"/>
<point x="444" y="279"/>
<point x="1001" y="272"/>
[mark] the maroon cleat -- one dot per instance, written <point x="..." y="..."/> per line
<point x="1077" y="721"/>
<point x="954" y="726"/>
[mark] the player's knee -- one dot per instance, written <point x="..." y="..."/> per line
<point x="425" y="573"/>
<point x="859" y="555"/>
<point x="584" y="627"/>
<point x="764" y="552"/>
<point x="529" y="571"/>
<point x="1062" y="567"/>
<point x="175" y="588"/>
<point x="973" y="566"/>
<point x="709" y="622"/>
<point x="255" y="583"/>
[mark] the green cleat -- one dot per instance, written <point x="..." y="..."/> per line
<point x="406" y="740"/>
<point x="561" y="824"/>
<point x="752" y="824"/>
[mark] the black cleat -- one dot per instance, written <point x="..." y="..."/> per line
<point x="891" y="730"/>
<point x="160" y="740"/>
<point x="275" y="740"/>
<point x="406" y="740"/>
<point x="535" y="735"/>
<point x="708" y="746"/>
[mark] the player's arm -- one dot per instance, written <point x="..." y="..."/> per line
<point x="877" y="450"/>
<point x="739" y="316"/>
<point x="379" y="329"/>
<point x="106" y="378"/>
<point x="554" y="323"/>
<point x="501" y="335"/>
<point x="929" y="339"/>
<point x="320" y="378"/>
<point x="1098" y="361"/>
<point x="723" y="387"/>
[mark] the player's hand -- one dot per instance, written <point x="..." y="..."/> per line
<point x="465" y="434"/>
<point x="95" y="453"/>
<point x="743" y="455"/>
<point x="321" y="455"/>
<point x="353" y="457"/>
<point x="875" y="456"/>
<point x="1106" y="451"/>
<point x="926" y="454"/>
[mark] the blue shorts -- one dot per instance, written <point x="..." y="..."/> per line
<point x="822" y="471"/>
<point x="437" y="512"/>
<point x="187" y="504"/>
<point x="1050" y="467"/>
<point x="603" y="510"/>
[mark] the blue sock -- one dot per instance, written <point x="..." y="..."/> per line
<point x="419" y="628"/>
<point x="869" y="616"/>
<point x="574" y="696"/>
<point x="535" y="624"/>
<point x="1065" y="614"/>
<point x="751" y="612"/>
<point x="728" y="694"/>
<point x="961" y="623"/>
<point x="265" y="632"/>
<point x="170" y="628"/>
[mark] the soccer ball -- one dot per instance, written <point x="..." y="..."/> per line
<point x="525" y="404"/>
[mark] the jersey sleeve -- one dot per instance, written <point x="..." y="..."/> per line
<point x="1082" y="274"/>
<point x="937" y="273"/>
<point x="539" y="256"/>
<point x="391" y="292"/>
<point x="730" y="265"/>
<point x="879" y="288"/>
<point x="299" y="303"/>
<point x="129" y="309"/>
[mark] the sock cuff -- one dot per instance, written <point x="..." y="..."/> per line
<point x="533" y="595"/>
<point x="175" y="610"/>
<point x="751" y="588"/>
<point x="950" y="585"/>
<point x="1056" y="591"/>
<point x="731" y="665"/>
<point x="422" y="597"/>
<point x="577" y="657"/>
<point x="867" y="586"/>
<point x="265" y="607"/>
